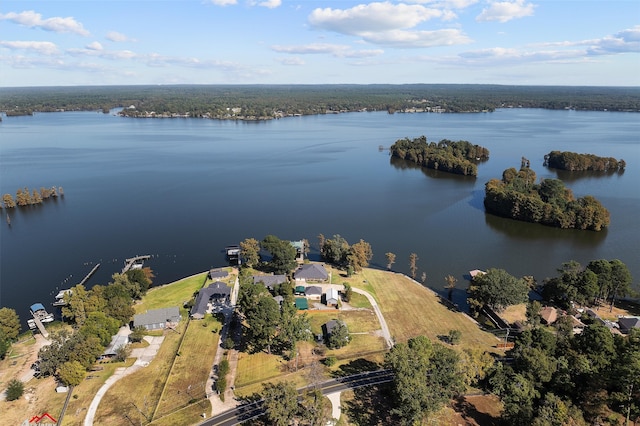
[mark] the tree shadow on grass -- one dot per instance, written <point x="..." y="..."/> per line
<point x="470" y="413"/>
<point x="370" y="406"/>
<point x="356" y="366"/>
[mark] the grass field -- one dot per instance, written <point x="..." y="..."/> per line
<point x="411" y="309"/>
<point x="171" y="294"/>
<point x="191" y="369"/>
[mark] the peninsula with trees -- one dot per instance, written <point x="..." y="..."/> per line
<point x="270" y="352"/>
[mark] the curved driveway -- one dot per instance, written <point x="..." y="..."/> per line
<point x="383" y="324"/>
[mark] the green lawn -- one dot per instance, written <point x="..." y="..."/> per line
<point x="171" y="294"/>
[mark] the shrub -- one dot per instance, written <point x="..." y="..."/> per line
<point x="330" y="361"/>
<point x="14" y="390"/>
<point x="454" y="336"/>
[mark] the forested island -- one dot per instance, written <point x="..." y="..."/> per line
<point x="263" y="102"/>
<point x="517" y="196"/>
<point x="448" y="156"/>
<point x="573" y="161"/>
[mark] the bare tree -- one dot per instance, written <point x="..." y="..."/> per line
<point x="413" y="259"/>
<point x="391" y="258"/>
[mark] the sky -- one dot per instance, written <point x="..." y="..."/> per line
<point x="521" y="42"/>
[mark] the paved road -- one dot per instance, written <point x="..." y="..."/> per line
<point x="252" y="410"/>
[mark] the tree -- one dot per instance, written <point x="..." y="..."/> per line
<point x="8" y="201"/>
<point x="283" y="254"/>
<point x="454" y="337"/>
<point x="339" y="336"/>
<point x="426" y="376"/>
<point x="620" y="280"/>
<point x="263" y="320"/>
<point x="280" y="402"/>
<point x="347" y="293"/>
<point x="139" y="277"/>
<point x="72" y="373"/>
<point x="497" y="289"/>
<point x="391" y="259"/>
<point x="250" y="252"/>
<point x="413" y="267"/>
<point x="533" y="313"/>
<point x="9" y="323"/>
<point x="14" y="390"/>
<point x="5" y="344"/>
<point x="122" y="353"/>
<point x="336" y="250"/>
<point x="359" y="255"/>
<point x="474" y="365"/>
<point x="451" y="284"/>
<point x="312" y="409"/>
<point x="137" y="334"/>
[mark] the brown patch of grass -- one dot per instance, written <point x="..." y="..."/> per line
<point x="134" y="397"/>
<point x="514" y="313"/>
<point x="191" y="368"/>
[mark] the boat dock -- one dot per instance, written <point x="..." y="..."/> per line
<point x="40" y="315"/>
<point x="131" y="263"/>
<point x="93" y="271"/>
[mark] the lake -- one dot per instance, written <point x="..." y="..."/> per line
<point x="183" y="189"/>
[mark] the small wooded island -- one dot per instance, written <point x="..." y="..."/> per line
<point x="575" y="162"/>
<point x="453" y="157"/>
<point x="517" y="196"/>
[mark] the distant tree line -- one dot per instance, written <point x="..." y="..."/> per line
<point x="574" y="162"/>
<point x="453" y="157"/>
<point x="272" y="101"/>
<point x="519" y="197"/>
<point x="26" y="197"/>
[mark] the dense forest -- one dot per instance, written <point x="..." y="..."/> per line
<point x="453" y="157"/>
<point x="573" y="161"/>
<point x="274" y="101"/>
<point x="517" y="196"/>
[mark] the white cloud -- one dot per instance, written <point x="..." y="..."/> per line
<point x="371" y="17"/>
<point x="117" y="37"/>
<point x="400" y="38"/>
<point x="291" y="60"/>
<point x="388" y="24"/>
<point x="32" y="19"/>
<point x="95" y="49"/>
<point x="337" y="50"/>
<point x="224" y="2"/>
<point x="446" y="4"/>
<point x="504" y="11"/>
<point x="94" y="46"/>
<point x="41" y="47"/>
<point x="271" y="4"/>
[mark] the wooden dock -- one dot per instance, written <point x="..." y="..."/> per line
<point x="40" y="326"/>
<point x="93" y="271"/>
<point x="128" y="263"/>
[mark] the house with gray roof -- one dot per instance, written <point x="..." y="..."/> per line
<point x="627" y="323"/>
<point x="217" y="293"/>
<point x="313" y="292"/>
<point x="157" y="318"/>
<point x="117" y="341"/>
<point x="218" y="273"/>
<point x="270" y="281"/>
<point x="311" y="272"/>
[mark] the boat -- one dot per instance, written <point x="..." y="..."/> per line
<point x="60" y="297"/>
<point x="39" y="312"/>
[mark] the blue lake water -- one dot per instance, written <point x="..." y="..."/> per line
<point x="183" y="189"/>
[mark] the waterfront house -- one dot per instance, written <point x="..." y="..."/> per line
<point x="157" y="318"/>
<point x="117" y="341"/>
<point x="216" y="274"/>
<point x="270" y="281"/>
<point x="627" y="323"/>
<point x="311" y="272"/>
<point x="218" y="294"/>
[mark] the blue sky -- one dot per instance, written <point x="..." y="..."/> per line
<point x="531" y="42"/>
